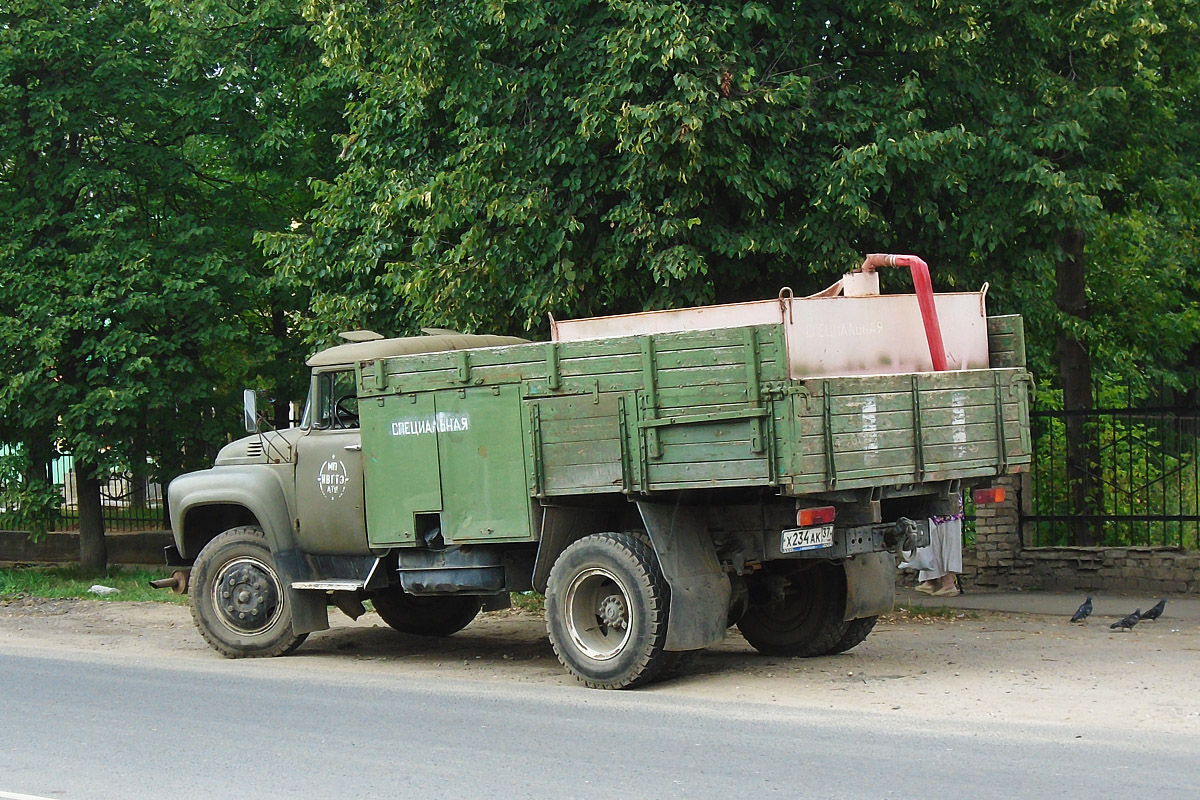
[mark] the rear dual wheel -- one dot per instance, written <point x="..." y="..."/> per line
<point x="853" y="634"/>
<point x="806" y="620"/>
<point x="442" y="615"/>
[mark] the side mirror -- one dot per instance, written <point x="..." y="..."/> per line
<point x="250" y="410"/>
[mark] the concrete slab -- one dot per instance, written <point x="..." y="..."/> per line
<point x="144" y="548"/>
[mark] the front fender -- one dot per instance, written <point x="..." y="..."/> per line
<point x="260" y="491"/>
<point x="253" y="487"/>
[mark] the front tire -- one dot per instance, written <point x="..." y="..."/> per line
<point x="238" y="600"/>
<point x="425" y="616"/>
<point x="805" y="621"/>
<point x="607" y="605"/>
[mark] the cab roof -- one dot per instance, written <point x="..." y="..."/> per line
<point x="354" y="352"/>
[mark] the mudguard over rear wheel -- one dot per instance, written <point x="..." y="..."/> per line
<point x="238" y="600"/>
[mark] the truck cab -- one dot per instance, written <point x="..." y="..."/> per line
<point x="294" y="500"/>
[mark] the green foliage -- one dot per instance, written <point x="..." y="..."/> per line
<point x="926" y="613"/>
<point x="533" y="602"/>
<point x="27" y="502"/>
<point x="508" y="160"/>
<point x="144" y="144"/>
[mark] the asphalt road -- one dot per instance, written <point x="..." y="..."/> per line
<point x="99" y="728"/>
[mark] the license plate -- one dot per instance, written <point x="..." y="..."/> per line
<point x="796" y="539"/>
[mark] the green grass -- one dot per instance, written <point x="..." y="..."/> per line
<point x="68" y="582"/>
<point x="935" y="612"/>
<point x="529" y="601"/>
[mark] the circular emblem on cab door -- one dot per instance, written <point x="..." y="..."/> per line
<point x="332" y="478"/>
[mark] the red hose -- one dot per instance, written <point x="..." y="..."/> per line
<point x="924" y="287"/>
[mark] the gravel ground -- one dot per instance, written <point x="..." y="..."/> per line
<point x="976" y="665"/>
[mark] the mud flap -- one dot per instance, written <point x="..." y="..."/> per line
<point x="310" y="610"/>
<point x="870" y="584"/>
<point x="700" y="590"/>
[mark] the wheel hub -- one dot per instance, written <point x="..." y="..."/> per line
<point x="246" y="595"/>
<point x="612" y="612"/>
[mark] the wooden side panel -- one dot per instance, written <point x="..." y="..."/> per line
<point x="933" y="426"/>
<point x="1006" y="341"/>
<point x="664" y="412"/>
<point x="703" y="415"/>
<point x="578" y="443"/>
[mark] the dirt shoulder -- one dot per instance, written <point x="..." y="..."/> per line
<point x="978" y="666"/>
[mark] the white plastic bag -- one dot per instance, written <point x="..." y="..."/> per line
<point x="921" y="558"/>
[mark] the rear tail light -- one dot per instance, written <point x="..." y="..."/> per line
<point x="807" y="517"/>
<point x="985" y="496"/>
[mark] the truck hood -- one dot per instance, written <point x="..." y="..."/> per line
<point x="268" y="447"/>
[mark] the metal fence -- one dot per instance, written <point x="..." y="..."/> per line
<point x="1119" y="476"/>
<point x="127" y="503"/>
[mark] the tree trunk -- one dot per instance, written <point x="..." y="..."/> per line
<point x="93" y="551"/>
<point x="41" y="458"/>
<point x="282" y="406"/>
<point x="1084" y="486"/>
<point x="138" y="468"/>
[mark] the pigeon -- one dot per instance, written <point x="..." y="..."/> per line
<point x="1156" y="612"/>
<point x="1127" y="623"/>
<point x="1084" y="611"/>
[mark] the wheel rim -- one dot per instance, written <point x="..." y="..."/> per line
<point x="246" y="595"/>
<point x="598" y="618"/>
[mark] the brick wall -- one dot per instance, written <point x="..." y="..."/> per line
<point x="999" y="560"/>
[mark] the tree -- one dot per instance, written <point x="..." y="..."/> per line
<point x="132" y="182"/>
<point x="264" y="109"/>
<point x="509" y="160"/>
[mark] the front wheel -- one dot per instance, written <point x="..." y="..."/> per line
<point x="238" y="600"/>
<point x="606" y="611"/>
<point x="425" y="616"/>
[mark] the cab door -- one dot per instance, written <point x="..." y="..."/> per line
<point x="329" y="469"/>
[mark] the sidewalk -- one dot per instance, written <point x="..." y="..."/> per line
<point x="1109" y="606"/>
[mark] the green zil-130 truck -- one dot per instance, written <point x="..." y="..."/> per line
<point x="660" y="477"/>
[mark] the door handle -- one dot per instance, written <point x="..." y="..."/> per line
<point x="355" y="447"/>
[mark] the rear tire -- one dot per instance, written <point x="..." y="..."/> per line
<point x="238" y="600"/>
<point x="853" y="634"/>
<point x="425" y="616"/>
<point x="807" y="621"/>
<point x="607" y="606"/>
